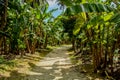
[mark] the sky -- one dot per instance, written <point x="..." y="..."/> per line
<point x="53" y="5"/>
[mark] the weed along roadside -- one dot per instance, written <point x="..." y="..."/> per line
<point x="20" y="65"/>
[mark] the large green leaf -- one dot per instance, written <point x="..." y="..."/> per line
<point x="79" y="23"/>
<point x="88" y="7"/>
<point x="115" y="18"/>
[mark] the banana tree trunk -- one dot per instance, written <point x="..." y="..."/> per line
<point x="3" y="20"/>
<point x="33" y="47"/>
<point x="46" y="41"/>
<point x="4" y="15"/>
<point x="73" y="44"/>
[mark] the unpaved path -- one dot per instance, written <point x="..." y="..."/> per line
<point x="55" y="66"/>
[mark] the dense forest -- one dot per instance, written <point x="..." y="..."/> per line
<point x="91" y="26"/>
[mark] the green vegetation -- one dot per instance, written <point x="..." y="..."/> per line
<point x="92" y="26"/>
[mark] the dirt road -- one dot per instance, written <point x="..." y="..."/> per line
<point x="55" y="66"/>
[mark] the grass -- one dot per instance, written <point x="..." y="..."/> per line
<point x="6" y="65"/>
<point x="21" y="63"/>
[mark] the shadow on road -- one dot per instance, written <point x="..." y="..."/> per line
<point x="55" y="66"/>
<point x="56" y="72"/>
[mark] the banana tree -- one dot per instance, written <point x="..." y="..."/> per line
<point x="55" y="34"/>
<point x="3" y="13"/>
<point x="15" y="24"/>
<point x="3" y="21"/>
<point x="45" y="19"/>
<point x="94" y="37"/>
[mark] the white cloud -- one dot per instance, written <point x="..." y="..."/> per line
<point x="52" y="2"/>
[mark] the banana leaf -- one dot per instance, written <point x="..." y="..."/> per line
<point x="88" y="7"/>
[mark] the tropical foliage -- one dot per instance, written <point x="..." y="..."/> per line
<point x="27" y="26"/>
<point x="92" y="26"/>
